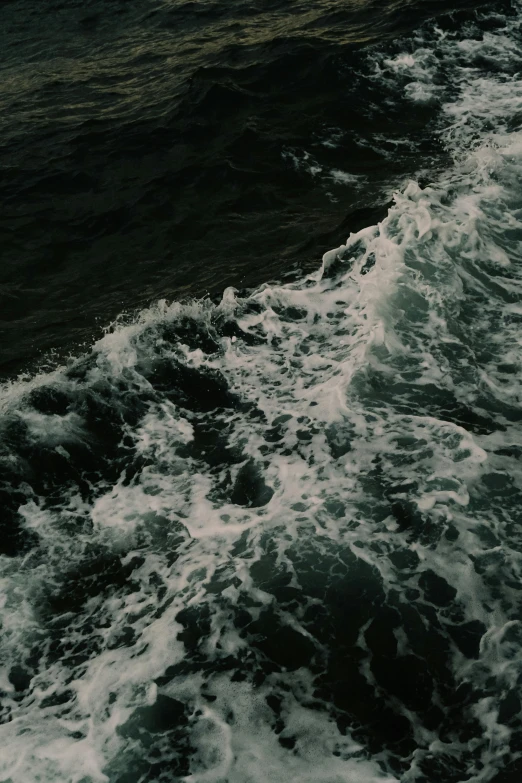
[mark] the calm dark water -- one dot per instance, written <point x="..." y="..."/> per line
<point x="159" y="149"/>
<point x="265" y="526"/>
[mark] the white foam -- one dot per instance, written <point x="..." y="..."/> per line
<point x="381" y="377"/>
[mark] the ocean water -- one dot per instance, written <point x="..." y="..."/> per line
<point x="274" y="535"/>
<point x="166" y="149"/>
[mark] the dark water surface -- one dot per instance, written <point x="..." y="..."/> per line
<point x="273" y="534"/>
<point x="163" y="149"/>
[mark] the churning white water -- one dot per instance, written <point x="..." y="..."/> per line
<point x="278" y="539"/>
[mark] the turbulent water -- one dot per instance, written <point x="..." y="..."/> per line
<point x="277" y="538"/>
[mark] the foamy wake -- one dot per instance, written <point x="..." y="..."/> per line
<point x="278" y="538"/>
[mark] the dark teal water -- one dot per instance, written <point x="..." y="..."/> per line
<point x="271" y="534"/>
<point x="159" y="149"/>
